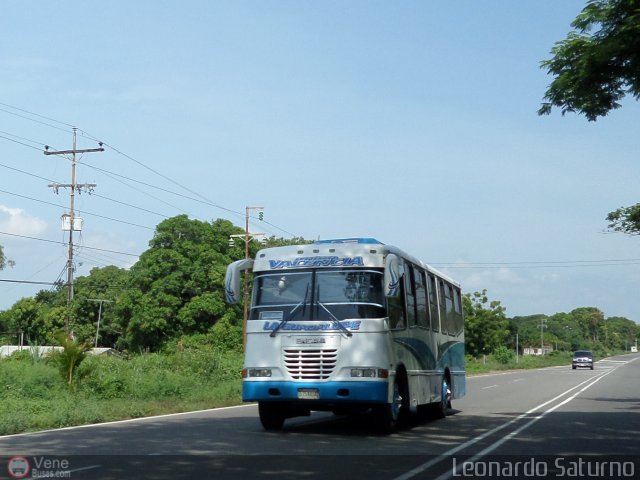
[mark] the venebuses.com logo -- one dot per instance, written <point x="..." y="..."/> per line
<point x="18" y="467"/>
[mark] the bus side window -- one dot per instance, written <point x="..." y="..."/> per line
<point x="395" y="308"/>
<point x="422" y="307"/>
<point x="457" y="311"/>
<point x="448" y="299"/>
<point x="444" y="324"/>
<point x="410" y="295"/>
<point x="433" y="304"/>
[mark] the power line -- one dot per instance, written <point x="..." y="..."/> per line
<point x="79" y="211"/>
<point x="532" y="265"/>
<point x="35" y="114"/>
<point x="40" y="144"/>
<point x="26" y="282"/>
<point x="200" y="200"/>
<point x="181" y="195"/>
<point x="32" y="119"/>
<point x="90" y="193"/>
<point x="64" y="243"/>
<point x="86" y="134"/>
<point x="19" y="143"/>
<point x="203" y="198"/>
<point x="24" y="172"/>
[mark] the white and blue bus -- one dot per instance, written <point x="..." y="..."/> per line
<point x="349" y="325"/>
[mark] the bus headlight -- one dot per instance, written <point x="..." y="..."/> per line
<point x="364" y="372"/>
<point x="256" y="372"/>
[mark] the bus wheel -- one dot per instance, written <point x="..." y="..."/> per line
<point x="443" y="406"/>
<point x="271" y="415"/>
<point x="387" y="415"/>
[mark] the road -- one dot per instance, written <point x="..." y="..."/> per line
<point x="549" y="420"/>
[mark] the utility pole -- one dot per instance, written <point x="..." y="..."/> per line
<point x="247" y="238"/>
<point x="73" y="186"/>
<point x="246" y="255"/>
<point x="101" y="301"/>
<point x="542" y="326"/>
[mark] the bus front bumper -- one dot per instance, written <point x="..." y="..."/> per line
<point x="329" y="392"/>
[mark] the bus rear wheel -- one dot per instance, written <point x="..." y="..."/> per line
<point x="272" y="415"/>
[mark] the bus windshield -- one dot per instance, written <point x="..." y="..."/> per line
<point x="343" y="293"/>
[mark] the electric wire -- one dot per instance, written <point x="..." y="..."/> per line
<point x="85" y="134"/>
<point x="94" y="194"/>
<point x="79" y="211"/>
<point x="66" y="244"/>
<point x="36" y="114"/>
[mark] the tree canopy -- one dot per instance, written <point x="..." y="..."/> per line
<point x="485" y="323"/>
<point x="4" y="261"/>
<point x="598" y="63"/>
<point x="584" y="327"/>
<point x="625" y="220"/>
<point x="176" y="287"/>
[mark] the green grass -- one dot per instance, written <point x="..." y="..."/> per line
<point x="34" y="396"/>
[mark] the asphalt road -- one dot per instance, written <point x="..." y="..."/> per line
<point x="547" y="423"/>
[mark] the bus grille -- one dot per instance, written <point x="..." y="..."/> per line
<point x="310" y="364"/>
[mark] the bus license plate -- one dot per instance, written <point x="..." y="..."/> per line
<point x="308" y="394"/>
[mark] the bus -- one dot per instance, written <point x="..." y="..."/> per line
<point x="349" y="326"/>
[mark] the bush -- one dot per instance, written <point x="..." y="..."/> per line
<point x="22" y="379"/>
<point x="195" y="375"/>
<point x="70" y="358"/>
<point x="503" y="355"/>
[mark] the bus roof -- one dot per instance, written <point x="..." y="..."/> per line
<point x="341" y="252"/>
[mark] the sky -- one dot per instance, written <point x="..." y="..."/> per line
<point x="413" y="122"/>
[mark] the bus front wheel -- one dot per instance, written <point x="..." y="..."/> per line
<point x="443" y="406"/>
<point x="387" y="415"/>
<point x="271" y="415"/>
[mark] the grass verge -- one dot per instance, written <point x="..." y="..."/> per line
<point x="33" y="395"/>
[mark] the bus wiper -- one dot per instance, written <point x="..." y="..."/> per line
<point x="335" y="320"/>
<point x="293" y="311"/>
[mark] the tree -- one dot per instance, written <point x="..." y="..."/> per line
<point x="594" y="68"/>
<point x="4" y="261"/>
<point x="619" y="332"/>
<point x="95" y="296"/>
<point x="625" y="220"/>
<point x="176" y="287"/>
<point x="598" y="63"/>
<point x="589" y="320"/>
<point x="486" y="326"/>
<point x="26" y="317"/>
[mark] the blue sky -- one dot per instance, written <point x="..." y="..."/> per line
<point x="413" y="122"/>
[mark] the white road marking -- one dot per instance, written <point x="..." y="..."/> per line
<point x="421" y="468"/>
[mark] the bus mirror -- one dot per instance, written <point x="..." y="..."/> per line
<point x="392" y="276"/>
<point x="232" y="279"/>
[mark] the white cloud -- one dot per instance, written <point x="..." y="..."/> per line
<point x="20" y="222"/>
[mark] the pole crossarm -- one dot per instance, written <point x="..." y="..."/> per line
<point x="89" y="187"/>
<point x="64" y="152"/>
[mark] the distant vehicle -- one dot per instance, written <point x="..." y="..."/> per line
<point x="582" y="359"/>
